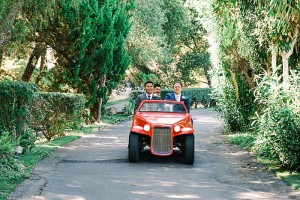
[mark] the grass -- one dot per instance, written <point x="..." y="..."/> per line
<point x="243" y="140"/>
<point x="246" y="140"/>
<point x="10" y="179"/>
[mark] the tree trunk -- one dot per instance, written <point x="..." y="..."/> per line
<point x="96" y="108"/>
<point x="33" y="59"/>
<point x="207" y="76"/>
<point x="1" y="57"/>
<point x="285" y="62"/>
<point x="235" y="84"/>
<point x="285" y="70"/>
<point x="249" y="81"/>
<point x="42" y="67"/>
<point x="95" y="111"/>
<point x="243" y="65"/>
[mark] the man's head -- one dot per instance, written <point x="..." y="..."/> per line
<point x="148" y="87"/>
<point x="157" y="89"/>
<point x="177" y="87"/>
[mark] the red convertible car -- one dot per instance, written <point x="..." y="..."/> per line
<point x="162" y="125"/>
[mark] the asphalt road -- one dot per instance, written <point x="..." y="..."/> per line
<point x="96" y="167"/>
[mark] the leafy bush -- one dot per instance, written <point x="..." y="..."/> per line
<point x="27" y="141"/>
<point x="236" y="106"/>
<point x="15" y="98"/>
<point x="7" y="151"/>
<point x="278" y="123"/>
<point x="55" y="112"/>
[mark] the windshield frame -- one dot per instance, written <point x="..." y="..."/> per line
<point x="165" y="106"/>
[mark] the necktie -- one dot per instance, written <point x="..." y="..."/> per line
<point x="149" y="97"/>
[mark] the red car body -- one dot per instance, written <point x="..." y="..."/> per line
<point x="162" y="125"/>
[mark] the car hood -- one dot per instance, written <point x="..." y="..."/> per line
<point x="163" y="118"/>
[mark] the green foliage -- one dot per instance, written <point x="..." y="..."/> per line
<point x="15" y="99"/>
<point x="53" y="113"/>
<point x="199" y="96"/>
<point x="278" y="123"/>
<point x="236" y="108"/>
<point x="9" y="10"/>
<point x="27" y="141"/>
<point x="277" y="21"/>
<point x="7" y="151"/>
<point x="142" y="77"/>
<point x="245" y="140"/>
<point x="191" y="65"/>
<point x="147" y="40"/>
<point x="163" y="32"/>
<point x="11" y="169"/>
<point x="176" y="24"/>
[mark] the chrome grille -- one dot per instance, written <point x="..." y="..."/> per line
<point x="162" y="142"/>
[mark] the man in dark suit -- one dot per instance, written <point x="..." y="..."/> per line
<point x="177" y="96"/>
<point x="147" y="95"/>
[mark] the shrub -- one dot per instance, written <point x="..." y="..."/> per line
<point x="15" y="98"/>
<point x="27" y="141"/>
<point x="236" y="106"/>
<point x="54" y="112"/>
<point x="7" y="151"/>
<point x="278" y="123"/>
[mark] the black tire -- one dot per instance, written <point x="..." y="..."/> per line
<point x="133" y="148"/>
<point x="189" y="149"/>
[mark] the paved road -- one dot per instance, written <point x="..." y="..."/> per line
<point x="95" y="167"/>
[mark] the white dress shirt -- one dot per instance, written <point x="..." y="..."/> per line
<point x="177" y="97"/>
<point x="149" y="96"/>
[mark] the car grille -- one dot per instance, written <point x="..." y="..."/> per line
<point x="162" y="142"/>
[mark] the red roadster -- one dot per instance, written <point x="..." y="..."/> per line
<point x="162" y="125"/>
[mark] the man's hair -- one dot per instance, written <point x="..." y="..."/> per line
<point x="177" y="82"/>
<point x="156" y="85"/>
<point x="147" y="83"/>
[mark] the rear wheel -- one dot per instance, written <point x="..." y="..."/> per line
<point x="189" y="149"/>
<point x="133" y="148"/>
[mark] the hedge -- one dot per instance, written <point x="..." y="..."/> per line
<point x="23" y="108"/>
<point x="15" y="97"/>
<point x="53" y="112"/>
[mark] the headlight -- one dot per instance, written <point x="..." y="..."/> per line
<point x="177" y="128"/>
<point x="146" y="127"/>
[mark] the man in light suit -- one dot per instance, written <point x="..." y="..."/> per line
<point x="177" y="96"/>
<point x="147" y="95"/>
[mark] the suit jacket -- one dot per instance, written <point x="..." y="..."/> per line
<point x="171" y="96"/>
<point x="142" y="97"/>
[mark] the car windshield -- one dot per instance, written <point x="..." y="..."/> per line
<point x="162" y="107"/>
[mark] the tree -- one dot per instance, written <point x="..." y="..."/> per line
<point x="88" y="38"/>
<point x="194" y="58"/>
<point x="193" y="64"/>
<point x="146" y="42"/>
<point x="279" y="28"/>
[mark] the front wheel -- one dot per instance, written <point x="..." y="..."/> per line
<point x="133" y="148"/>
<point x="189" y="148"/>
